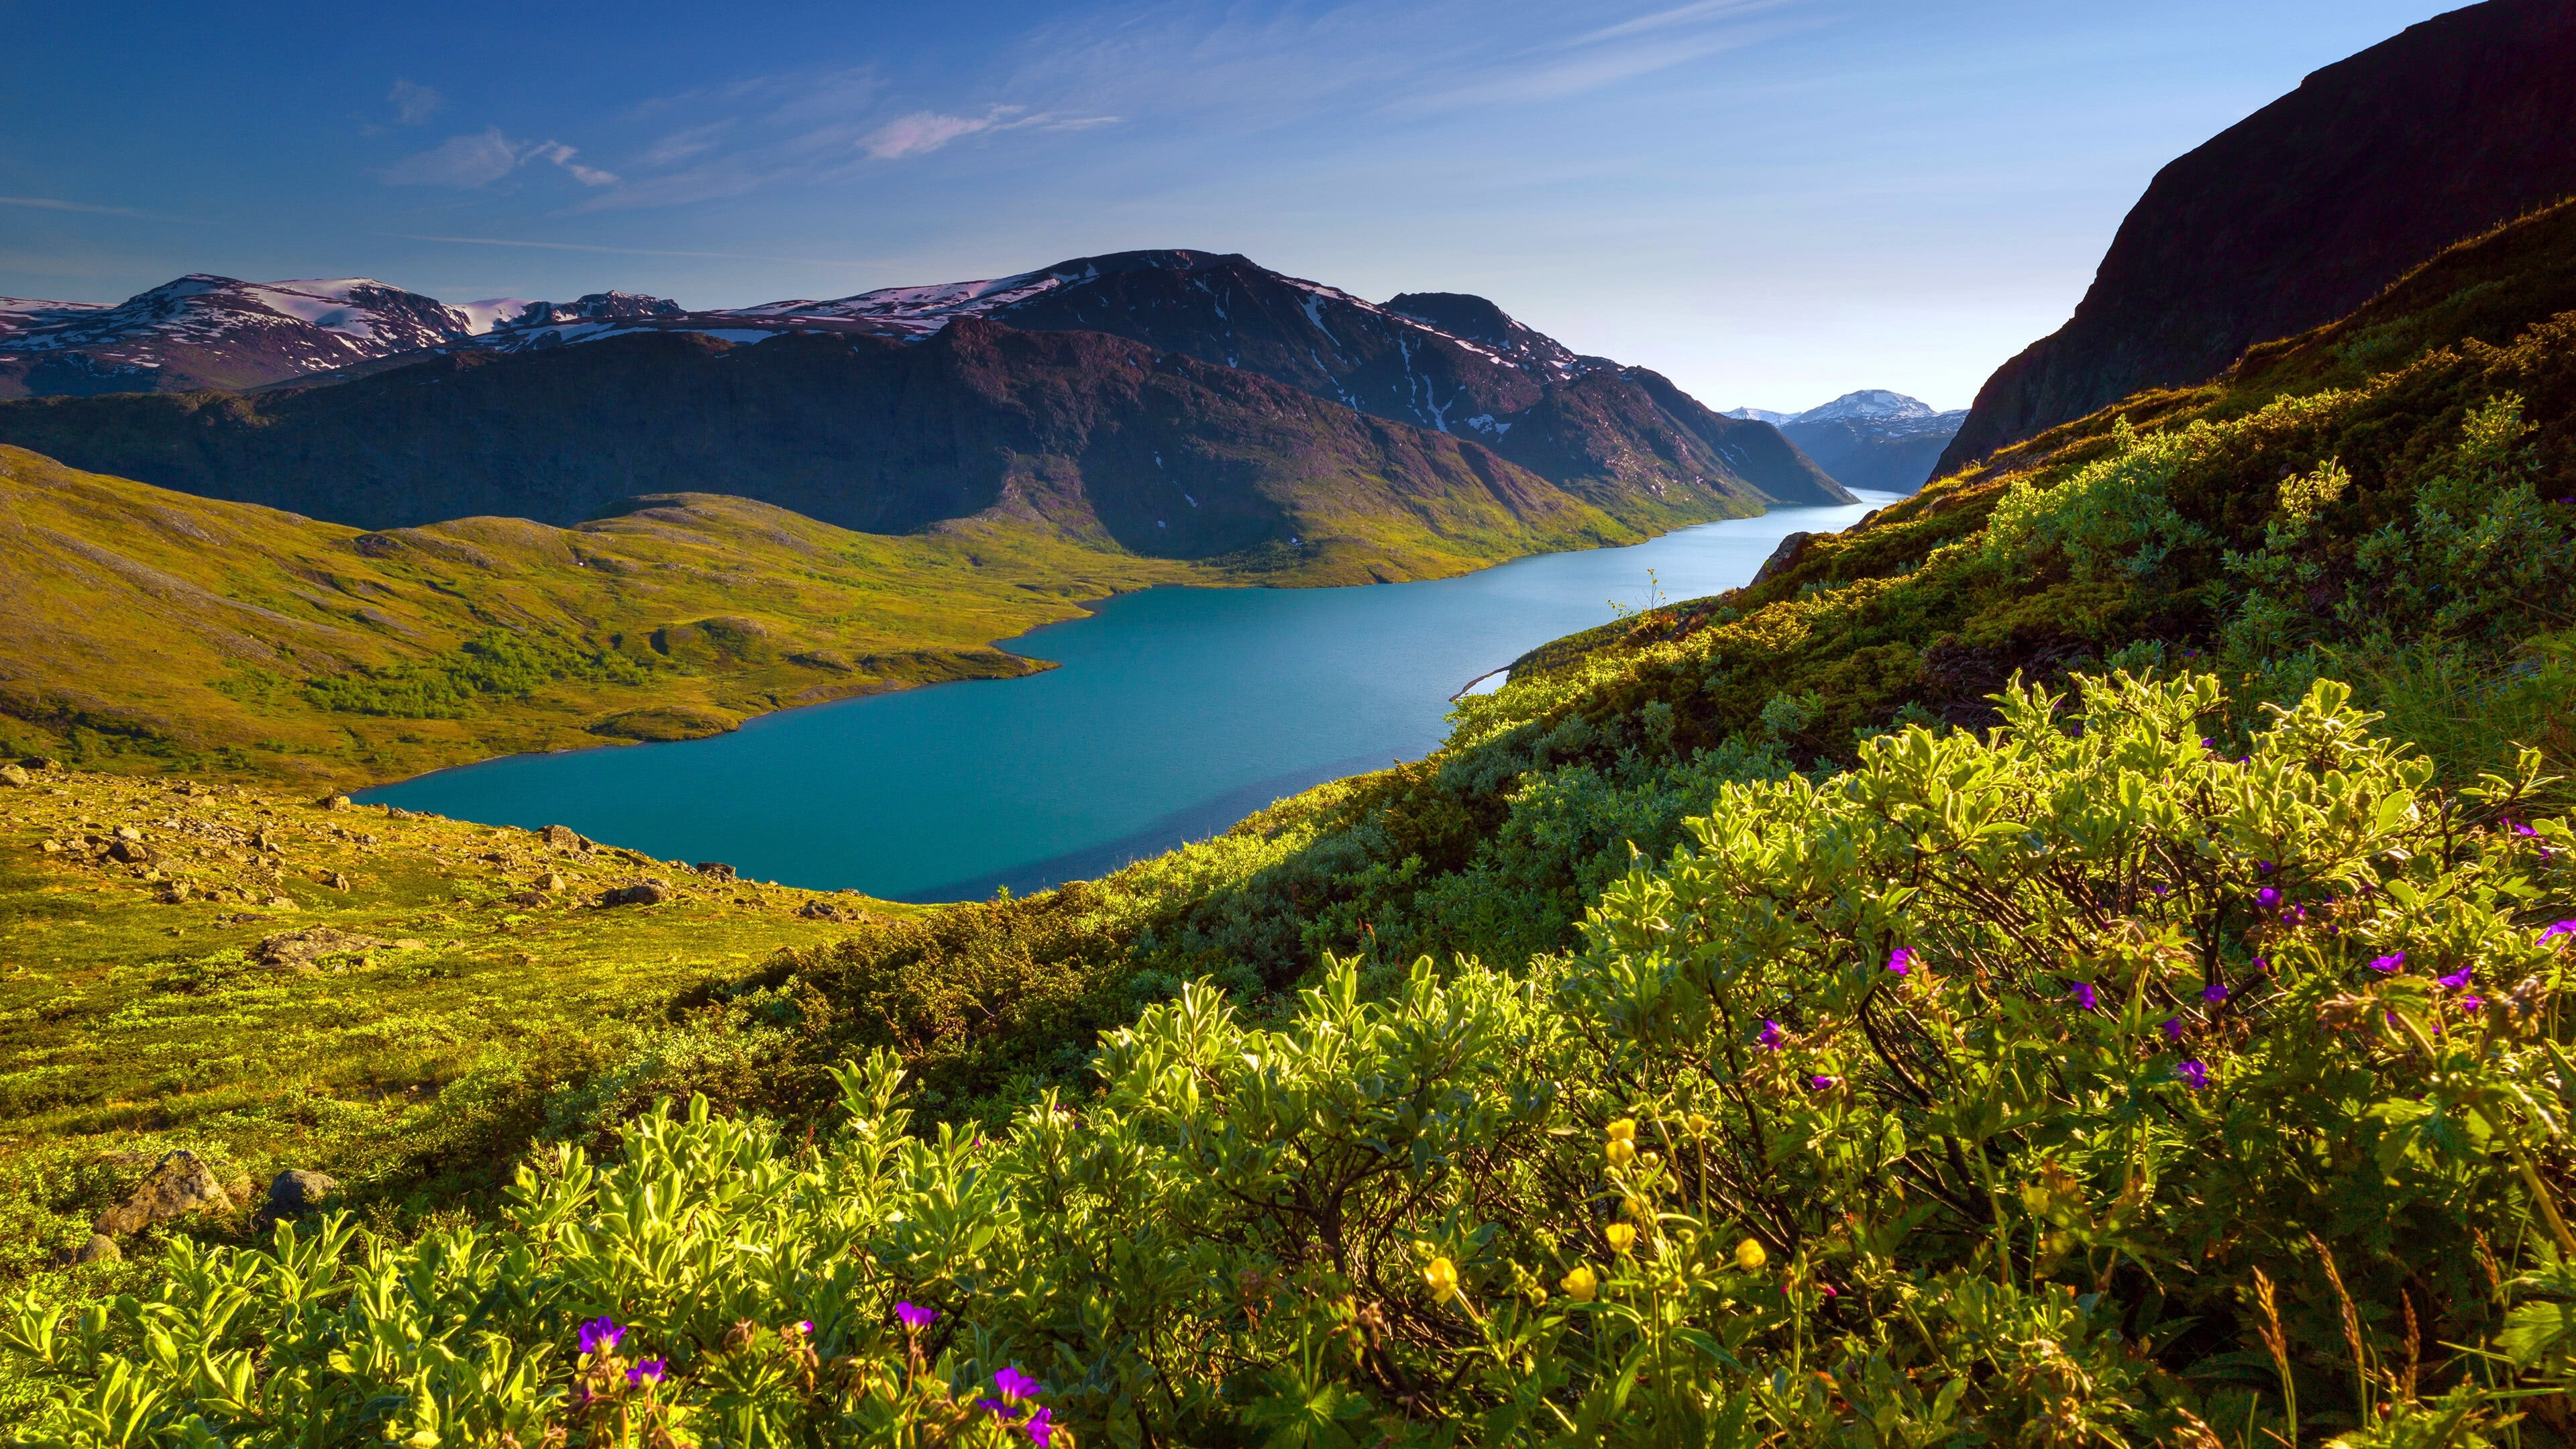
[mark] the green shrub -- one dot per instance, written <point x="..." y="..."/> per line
<point x="2072" y="1083"/>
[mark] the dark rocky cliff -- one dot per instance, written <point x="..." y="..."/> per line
<point x="2305" y="209"/>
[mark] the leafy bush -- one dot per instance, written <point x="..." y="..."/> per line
<point x="2072" y="1083"/>
<point x="498" y="663"/>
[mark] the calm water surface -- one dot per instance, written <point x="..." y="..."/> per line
<point x="1176" y="713"/>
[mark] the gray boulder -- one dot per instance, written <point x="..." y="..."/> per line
<point x="179" y="1184"/>
<point x="295" y="1192"/>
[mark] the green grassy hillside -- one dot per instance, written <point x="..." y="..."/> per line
<point x="2077" y="958"/>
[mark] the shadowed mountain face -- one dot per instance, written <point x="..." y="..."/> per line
<point x="2305" y="209"/>
<point x="1099" y="438"/>
<point x="1622" y="438"/>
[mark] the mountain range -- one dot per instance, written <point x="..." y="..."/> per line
<point x="2373" y="164"/>
<point x="1177" y="403"/>
<point x="1875" y="439"/>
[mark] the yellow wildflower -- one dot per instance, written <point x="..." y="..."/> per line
<point x="1622" y="1237"/>
<point x="1749" y="1256"/>
<point x="1699" y="1124"/>
<point x="1638" y="1209"/>
<point x="1581" y="1284"/>
<point x="1624" y="1130"/>
<point x="1621" y="1152"/>
<point x="1442" y="1275"/>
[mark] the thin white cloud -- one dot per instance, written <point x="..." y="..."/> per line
<point x="561" y="155"/>
<point x="487" y="241"/>
<point x="464" y="162"/>
<point x="923" y="132"/>
<point x="467" y="162"/>
<point x="47" y="203"/>
<point x="414" y="104"/>
<point x="1678" y="15"/>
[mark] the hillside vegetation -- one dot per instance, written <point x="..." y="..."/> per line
<point x="154" y="630"/>
<point x="2079" y="957"/>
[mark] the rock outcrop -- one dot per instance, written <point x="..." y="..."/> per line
<point x="2306" y="209"/>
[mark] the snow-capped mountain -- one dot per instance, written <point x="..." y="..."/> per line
<point x="1619" y="437"/>
<point x="204" y="331"/>
<point x="1872" y="439"/>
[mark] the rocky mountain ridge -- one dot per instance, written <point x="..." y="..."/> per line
<point x="2304" y="210"/>
<point x="1621" y="439"/>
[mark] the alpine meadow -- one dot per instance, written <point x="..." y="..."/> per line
<point x="2085" y="955"/>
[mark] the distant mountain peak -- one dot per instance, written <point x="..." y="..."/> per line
<point x="1872" y="402"/>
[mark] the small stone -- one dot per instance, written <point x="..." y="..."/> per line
<point x="14" y="775"/>
<point x="564" y="837"/>
<point x="551" y="881"/>
<point x="296" y="950"/>
<point x="128" y="832"/>
<point x="99" y="1249"/>
<point x="52" y="847"/>
<point x="295" y="1192"/>
<point x="716" y="870"/>
<point x="39" y="762"/>
<point x="127" y="851"/>
<point x="822" y="911"/>
<point x="176" y="893"/>
<point x="647" y="893"/>
<point x="336" y="881"/>
<point x="335" y="802"/>
<point x="178" y="1185"/>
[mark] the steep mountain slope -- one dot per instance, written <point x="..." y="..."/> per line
<point x="1624" y="439"/>
<point x="156" y="629"/>
<point x="1874" y="439"/>
<point x="1101" y="440"/>
<point x="2299" y="213"/>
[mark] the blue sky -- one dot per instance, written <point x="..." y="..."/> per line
<point x="1772" y="201"/>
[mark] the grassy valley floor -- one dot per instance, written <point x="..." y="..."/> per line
<point x="274" y="983"/>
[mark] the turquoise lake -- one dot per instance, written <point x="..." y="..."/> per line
<point x="1175" y="713"/>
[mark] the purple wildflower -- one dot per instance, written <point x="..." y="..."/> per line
<point x="1771" y="1037"/>
<point x="805" y="1325"/>
<point x="915" y="1318"/>
<point x="1000" y="1409"/>
<point x="2192" y="1074"/>
<point x="2556" y="929"/>
<point x="1038" y="1428"/>
<point x="2162" y="890"/>
<point x="2394" y="961"/>
<point x="2082" y="991"/>
<point x="2265" y="866"/>
<point x="2459" y="979"/>
<point x="1821" y="1083"/>
<point x="1014" y="1384"/>
<point x="2293" y="915"/>
<point x="2173" y="1028"/>
<point x="2471" y="1003"/>
<point x="1900" y="961"/>
<point x="2267" y="898"/>
<point x="648" y="1371"/>
<point x="2214" y="993"/>
<point x="600" y="1335"/>
<point x="2523" y="830"/>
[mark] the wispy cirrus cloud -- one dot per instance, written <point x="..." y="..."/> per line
<point x="471" y="161"/>
<point x="49" y="203"/>
<point x="414" y="104"/>
<point x="923" y="132"/>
